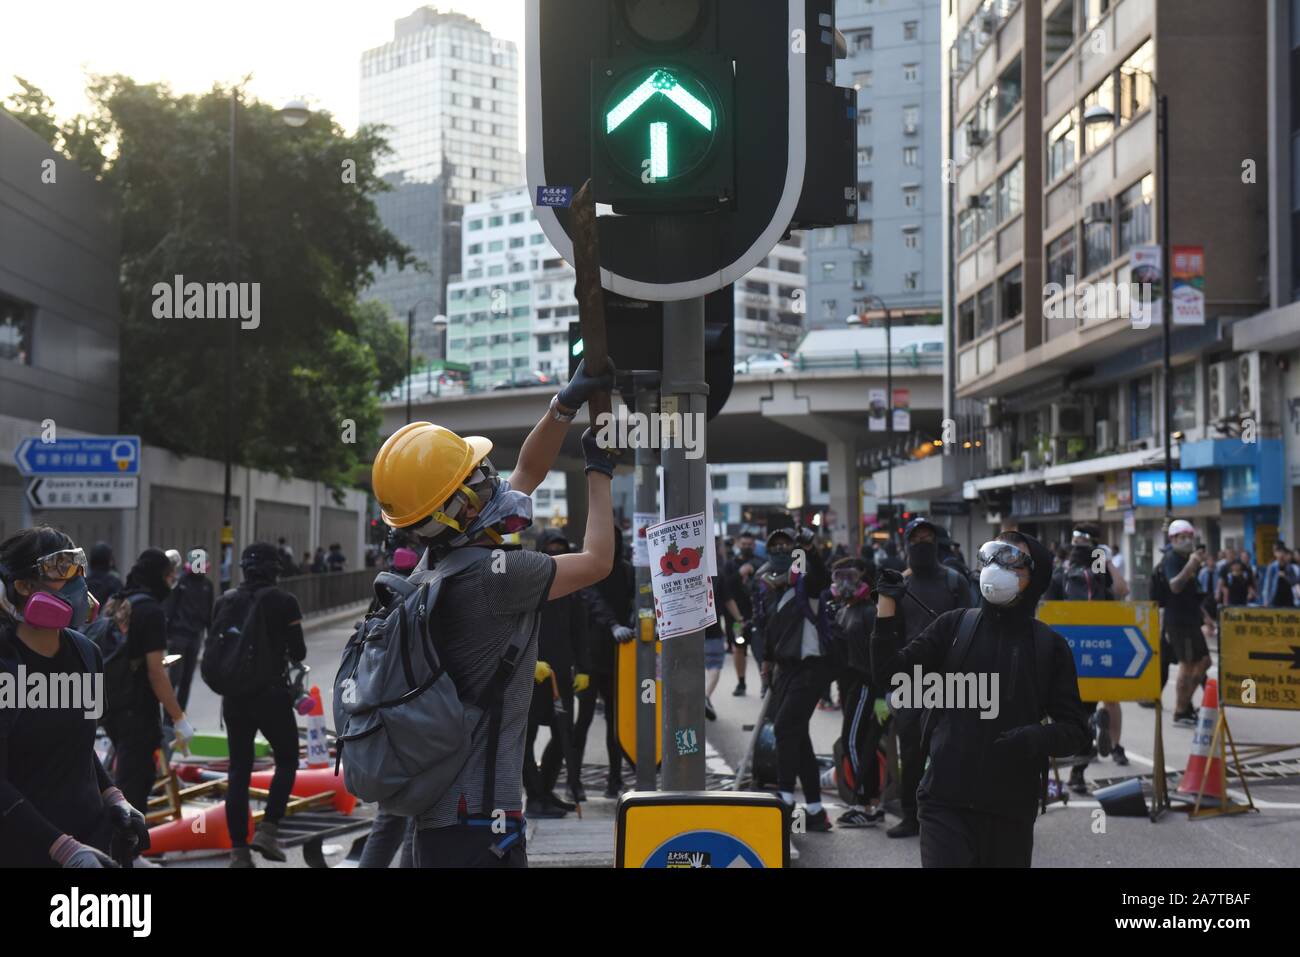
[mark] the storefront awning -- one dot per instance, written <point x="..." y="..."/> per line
<point x="1120" y="462"/>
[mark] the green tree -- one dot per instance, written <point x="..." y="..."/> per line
<point x="387" y="340"/>
<point x="308" y="235"/>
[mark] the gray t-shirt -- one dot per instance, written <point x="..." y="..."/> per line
<point x="479" y="612"/>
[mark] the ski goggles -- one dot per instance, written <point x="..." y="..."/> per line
<point x="1005" y="555"/>
<point x="62" y="565"/>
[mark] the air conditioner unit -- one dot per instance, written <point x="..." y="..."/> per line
<point x="910" y="129"/>
<point x="976" y="136"/>
<point x="1097" y="212"/>
<point x="1255" y="389"/>
<point x="1223" y="390"/>
<point x="997" y="449"/>
<point x="988" y="21"/>
<point x="1105" y="434"/>
<point x="974" y="202"/>
<point x="1067" y="419"/>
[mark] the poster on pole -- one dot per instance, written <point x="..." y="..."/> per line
<point x="640" y="522"/>
<point x="902" y="410"/>
<point x="683" y="593"/>
<point x="1145" y="272"/>
<point x="876" y="410"/>
<point x="1188" y="269"/>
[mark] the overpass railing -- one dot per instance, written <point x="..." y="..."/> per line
<point x="329" y="590"/>
<point x="864" y="359"/>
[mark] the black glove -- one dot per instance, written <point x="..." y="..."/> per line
<point x="1019" y="744"/>
<point x="598" y="459"/>
<point x="891" y="583"/>
<point x="583" y="386"/>
<point x="130" y="831"/>
<point x="805" y="538"/>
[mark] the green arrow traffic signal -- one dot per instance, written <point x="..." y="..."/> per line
<point x="662" y="132"/>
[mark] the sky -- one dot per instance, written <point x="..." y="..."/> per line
<point x="292" y="49"/>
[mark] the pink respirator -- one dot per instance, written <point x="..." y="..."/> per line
<point x="44" y="610"/>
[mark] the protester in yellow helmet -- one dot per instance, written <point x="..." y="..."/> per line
<point x="442" y="489"/>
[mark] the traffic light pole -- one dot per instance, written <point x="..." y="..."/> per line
<point x="647" y="494"/>
<point x="684" y="391"/>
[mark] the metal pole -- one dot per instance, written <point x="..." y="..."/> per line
<point x="889" y="405"/>
<point x="685" y="391"/>
<point x="410" y="338"/>
<point x="1167" y="304"/>
<point x="646" y="497"/>
<point x="228" y="563"/>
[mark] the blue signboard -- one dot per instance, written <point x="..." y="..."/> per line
<point x="1149" y="488"/>
<point x="556" y="196"/>
<point x="701" y="849"/>
<point x="101" y="455"/>
<point x="1106" y="651"/>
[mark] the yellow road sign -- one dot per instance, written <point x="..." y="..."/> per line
<point x="1259" y="657"/>
<point x="700" y="829"/>
<point x="627" y="693"/>
<point x="1116" y="646"/>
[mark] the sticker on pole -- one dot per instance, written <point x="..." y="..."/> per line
<point x="683" y="592"/>
<point x="640" y="522"/>
<point x="555" y="196"/>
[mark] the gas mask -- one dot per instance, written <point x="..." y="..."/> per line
<point x="849" y="586"/>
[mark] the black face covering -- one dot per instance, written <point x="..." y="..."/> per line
<point x="923" y="556"/>
<point x="1080" y="555"/>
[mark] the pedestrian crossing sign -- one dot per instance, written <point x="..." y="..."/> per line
<point x="702" y="829"/>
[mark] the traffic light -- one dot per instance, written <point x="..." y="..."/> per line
<point x="714" y="126"/>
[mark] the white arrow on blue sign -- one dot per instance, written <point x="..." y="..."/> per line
<point x="99" y="455"/>
<point x="1106" y="651"/>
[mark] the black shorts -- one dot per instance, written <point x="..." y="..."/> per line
<point x="1189" y="645"/>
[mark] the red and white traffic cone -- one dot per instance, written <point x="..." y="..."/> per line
<point x="318" y="750"/>
<point x="1202" y="766"/>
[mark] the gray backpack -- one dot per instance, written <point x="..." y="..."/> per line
<point x="407" y="733"/>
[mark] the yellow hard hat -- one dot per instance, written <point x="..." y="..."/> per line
<point x="419" y="468"/>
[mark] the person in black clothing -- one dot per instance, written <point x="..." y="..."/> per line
<point x="934" y="589"/>
<point x="58" y="807"/>
<point x="102" y="580"/>
<point x="737" y="585"/>
<point x="318" y="565"/>
<point x="1176" y="587"/>
<point x="980" y="794"/>
<point x="798" y="660"/>
<point x="135" y="726"/>
<point x="562" y="646"/>
<point x="611" y="604"/>
<point x="269" y="708"/>
<point x="1236" y="586"/>
<point x="335" y="559"/>
<point x="189" y="616"/>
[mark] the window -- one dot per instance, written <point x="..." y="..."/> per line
<point x="475" y="225"/>
<point x="496" y="221"/>
<point x="1062" y="146"/>
<point x="1010" y="89"/>
<point x="1182" y="399"/>
<point x="517" y="242"/>
<point x="476" y="249"/>
<point x="862" y="40"/>
<point x="911" y="155"/>
<point x="496" y="270"/>
<point x="966" y="225"/>
<point x="984" y="215"/>
<point x="864" y="192"/>
<point x="984" y="317"/>
<point x="496" y="246"/>
<point x="1134" y="85"/>
<point x="1011" y="292"/>
<point x="1135" y="219"/>
<point x="966" y="320"/>
<point x="911" y="119"/>
<point x="862" y="266"/>
<point x="1092" y="12"/>
<point x="909" y="30"/>
<point x="1141" y="398"/>
<point x="911" y="281"/>
<point x="516" y="218"/>
<point x="719" y="480"/>
<point x="829" y="308"/>
<point x="864" y="117"/>
<point x="1058" y="34"/>
<point x="15" y="331"/>
<point x="911" y="196"/>
<point x="1011" y="189"/>
<point x="825" y="238"/>
<point x="862" y="81"/>
<point x="768" y="483"/>
<point x="1096" y="245"/>
<point x="911" y="237"/>
<point x="865" y="154"/>
<point x="536" y="239"/>
<point x="1098" y="131"/>
<point x="1060" y="258"/>
<point x="911" y="72"/>
<point x="862" y="232"/>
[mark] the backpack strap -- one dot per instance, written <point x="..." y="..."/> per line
<point x="85" y="648"/>
<point x="493" y="701"/>
<point x="968" y="620"/>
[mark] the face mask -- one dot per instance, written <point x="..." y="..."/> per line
<point x="923" y="556"/>
<point x="1080" y="555"/>
<point x="846" y="588"/>
<point x="1000" y="586"/>
<point x="45" y="610"/>
<point x="781" y="563"/>
<point x="1184" y="548"/>
<point x="77" y="594"/>
<point x="746" y="553"/>
<point x="507" y="513"/>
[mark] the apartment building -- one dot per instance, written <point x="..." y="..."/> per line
<point x="772" y="303"/>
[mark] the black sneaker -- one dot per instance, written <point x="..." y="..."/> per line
<point x="578" y="793"/>
<point x="1077" y="783"/>
<point x="740" y="689"/>
<point x="1118" y="756"/>
<point x="615" y="789"/>
<point x="708" y="710"/>
<point x="907" y="827"/>
<point x="1185" y="719"/>
<point x="855" y="817"/>
<point x="821" y="821"/>
<point x="876" y="815"/>
<point x="1101" y="727"/>
<point x="562" y="804"/>
<point x="543" y="810"/>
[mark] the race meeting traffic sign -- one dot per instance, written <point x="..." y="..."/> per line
<point x="1259" y="659"/>
<point x="99" y="455"/>
<point x="1116" y="646"/>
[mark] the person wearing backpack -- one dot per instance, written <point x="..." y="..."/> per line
<point x="264" y="624"/>
<point x="444" y="489"/>
<point x="131" y="716"/>
<point x="935" y="588"/>
<point x="986" y="779"/>
<point x="189" y="615"/>
<point x="58" y="807"/>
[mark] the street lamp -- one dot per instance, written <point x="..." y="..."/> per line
<point x="410" y="347"/>
<point x="866" y="301"/>
<point x="1101" y="114"/>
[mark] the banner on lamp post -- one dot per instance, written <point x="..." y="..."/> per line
<point x="1188" y="269"/>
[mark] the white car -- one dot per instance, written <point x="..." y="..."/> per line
<point x="764" y="362"/>
<point x="916" y="351"/>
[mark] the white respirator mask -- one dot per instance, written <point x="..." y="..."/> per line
<point x="1001" y="586"/>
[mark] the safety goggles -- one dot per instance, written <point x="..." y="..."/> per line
<point x="1005" y="555"/>
<point x="62" y="565"/>
<point x="470" y="492"/>
<point x="846" y="576"/>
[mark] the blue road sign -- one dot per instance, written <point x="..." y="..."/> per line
<point x="1106" y="651"/>
<point x="101" y="455"/>
<point x="701" y="849"/>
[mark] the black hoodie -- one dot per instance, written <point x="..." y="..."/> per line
<point x="969" y="766"/>
<point x="562" y="630"/>
<point x="610" y="602"/>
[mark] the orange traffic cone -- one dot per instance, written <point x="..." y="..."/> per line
<point x="311" y="781"/>
<point x="204" y="831"/>
<point x="1203" y="768"/>
<point x="318" y="750"/>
